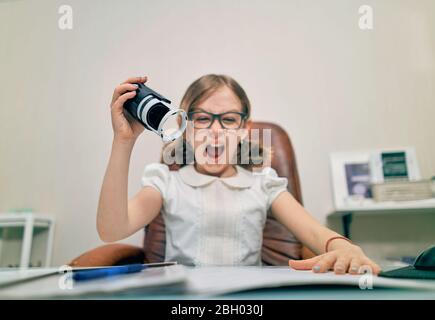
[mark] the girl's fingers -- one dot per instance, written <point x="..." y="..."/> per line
<point x="119" y="103"/>
<point x="369" y="264"/>
<point x="306" y="264"/>
<point x="341" y="265"/>
<point x="128" y="85"/>
<point x="326" y="263"/>
<point x="142" y="79"/>
<point x="121" y="89"/>
<point x="377" y="269"/>
<point x="355" y="264"/>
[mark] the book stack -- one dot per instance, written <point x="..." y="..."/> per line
<point x="402" y="190"/>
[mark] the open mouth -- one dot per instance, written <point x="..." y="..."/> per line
<point x="214" y="151"/>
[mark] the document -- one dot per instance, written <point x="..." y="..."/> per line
<point x="62" y="286"/>
<point x="12" y="276"/>
<point x="221" y="280"/>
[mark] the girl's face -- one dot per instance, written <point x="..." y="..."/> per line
<point x="215" y="146"/>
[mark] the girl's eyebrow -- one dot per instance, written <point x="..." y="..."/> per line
<point x="200" y="109"/>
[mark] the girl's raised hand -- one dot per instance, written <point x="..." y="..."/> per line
<point x="123" y="129"/>
<point x="347" y="259"/>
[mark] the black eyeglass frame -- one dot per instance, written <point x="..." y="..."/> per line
<point x="218" y="116"/>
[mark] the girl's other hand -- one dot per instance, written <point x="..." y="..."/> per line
<point x="123" y="129"/>
<point x="349" y="259"/>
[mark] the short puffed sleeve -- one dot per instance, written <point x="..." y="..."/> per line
<point x="156" y="175"/>
<point x="272" y="184"/>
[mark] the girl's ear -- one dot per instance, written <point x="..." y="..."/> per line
<point x="248" y="124"/>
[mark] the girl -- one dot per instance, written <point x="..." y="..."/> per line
<point x="214" y="211"/>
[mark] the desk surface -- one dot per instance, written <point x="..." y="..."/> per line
<point x="302" y="293"/>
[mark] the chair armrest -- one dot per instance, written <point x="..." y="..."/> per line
<point x="110" y="255"/>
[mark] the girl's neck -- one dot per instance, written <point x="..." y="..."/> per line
<point x="229" y="171"/>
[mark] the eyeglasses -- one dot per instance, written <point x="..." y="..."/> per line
<point x="227" y="120"/>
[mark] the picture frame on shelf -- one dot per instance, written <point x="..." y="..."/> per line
<point x="399" y="164"/>
<point x="351" y="178"/>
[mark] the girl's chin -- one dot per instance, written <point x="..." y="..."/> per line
<point x="213" y="169"/>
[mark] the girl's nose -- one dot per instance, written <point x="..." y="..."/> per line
<point x="216" y="131"/>
<point x="215" y="127"/>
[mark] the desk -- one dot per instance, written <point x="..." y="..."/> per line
<point x="324" y="292"/>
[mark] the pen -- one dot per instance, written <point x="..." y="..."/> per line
<point x="83" y="275"/>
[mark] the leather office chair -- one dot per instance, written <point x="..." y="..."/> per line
<point x="279" y="245"/>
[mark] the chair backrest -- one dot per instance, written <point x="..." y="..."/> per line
<point x="279" y="244"/>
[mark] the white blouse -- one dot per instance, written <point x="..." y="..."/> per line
<point x="211" y="220"/>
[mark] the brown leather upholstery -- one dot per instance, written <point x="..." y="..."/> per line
<point x="278" y="244"/>
<point x="110" y="255"/>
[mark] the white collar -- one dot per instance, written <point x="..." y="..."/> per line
<point x="243" y="178"/>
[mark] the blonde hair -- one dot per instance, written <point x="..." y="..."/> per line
<point x="203" y="88"/>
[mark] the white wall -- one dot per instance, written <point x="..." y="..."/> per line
<point x="304" y="64"/>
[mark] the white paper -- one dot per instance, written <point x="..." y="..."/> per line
<point x="58" y="285"/>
